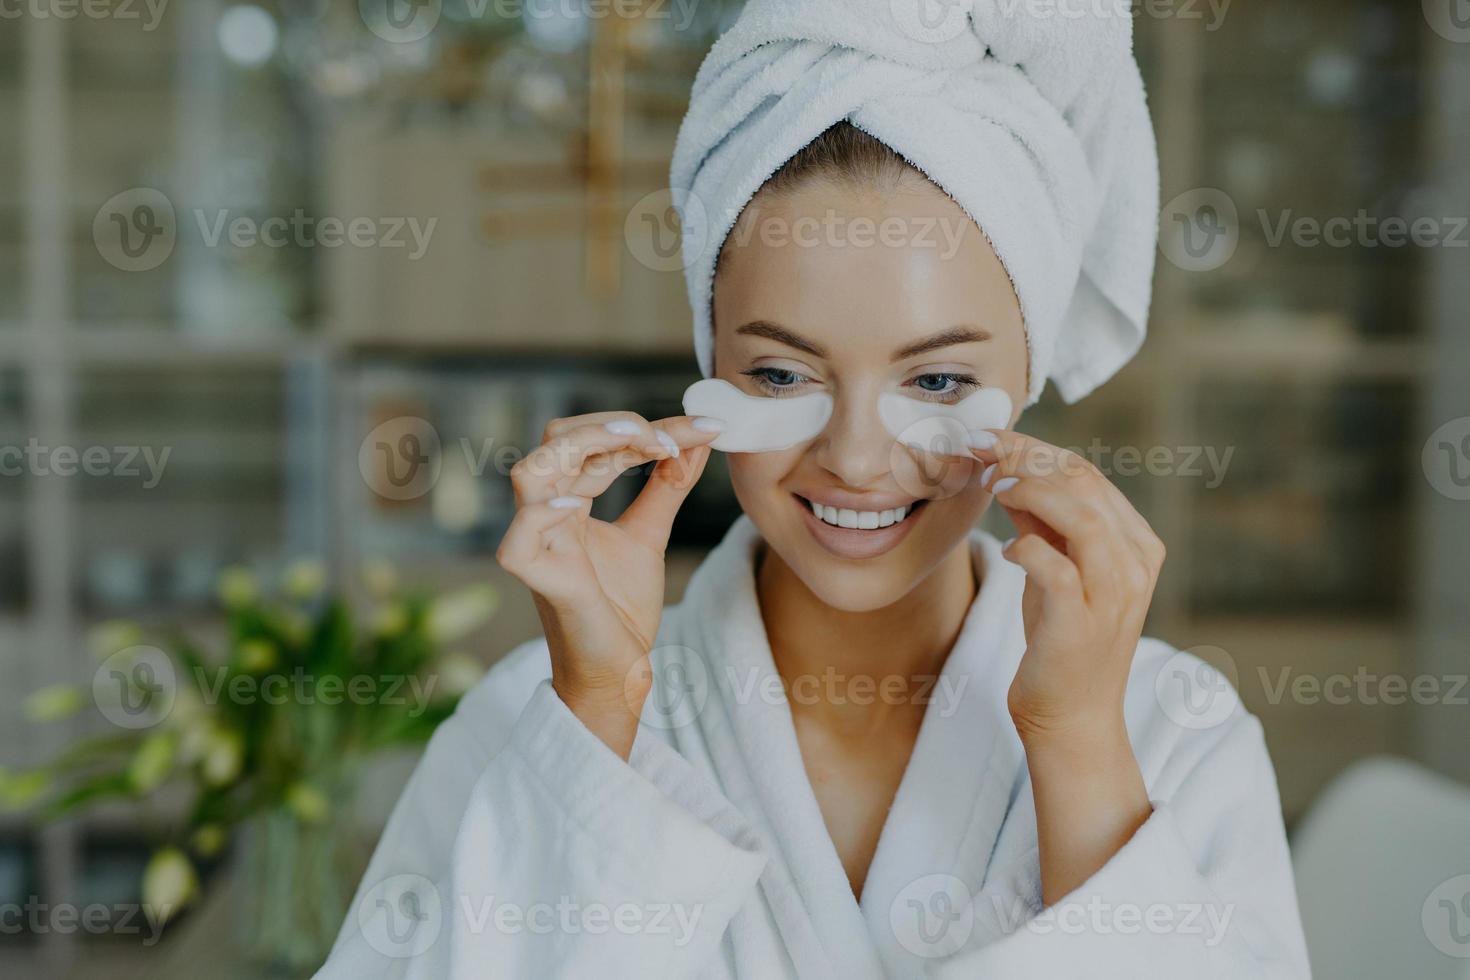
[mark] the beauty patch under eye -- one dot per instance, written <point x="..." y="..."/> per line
<point x="756" y="424"/>
<point x="939" y="428"/>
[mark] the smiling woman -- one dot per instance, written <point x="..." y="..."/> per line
<point x="638" y="756"/>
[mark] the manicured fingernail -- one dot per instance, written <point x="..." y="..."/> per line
<point x="981" y="439"/>
<point x="1007" y="545"/>
<point x="668" y="442"/>
<point x="1001" y="486"/>
<point x="708" y="423"/>
<point x="622" y="427"/>
<point x="564" y="503"/>
<point x="987" y="473"/>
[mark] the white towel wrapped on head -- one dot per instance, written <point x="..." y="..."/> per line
<point x="1029" y="113"/>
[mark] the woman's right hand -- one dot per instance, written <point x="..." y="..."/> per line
<point x="599" y="586"/>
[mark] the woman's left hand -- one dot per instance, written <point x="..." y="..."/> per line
<point x="1091" y="566"/>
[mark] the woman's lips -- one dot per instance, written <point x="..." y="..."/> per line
<point x="851" y="542"/>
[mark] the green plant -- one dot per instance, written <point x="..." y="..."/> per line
<point x="274" y="723"/>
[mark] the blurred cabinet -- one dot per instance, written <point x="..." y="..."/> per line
<point x="13" y="489"/>
<point x="204" y="485"/>
<point x="506" y="264"/>
<point x="12" y="194"/>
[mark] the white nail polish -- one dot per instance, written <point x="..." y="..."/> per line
<point x="668" y="442"/>
<point x="622" y="427"/>
<point x="708" y="423"/>
<point x="564" y="503"/>
<point x="1001" y="486"/>
<point x="981" y="439"/>
<point x="987" y="473"/>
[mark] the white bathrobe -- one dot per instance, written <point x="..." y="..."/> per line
<point x="524" y="848"/>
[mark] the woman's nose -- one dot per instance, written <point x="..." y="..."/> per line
<point x="855" y="447"/>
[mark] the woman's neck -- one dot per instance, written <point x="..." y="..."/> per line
<point x="852" y="654"/>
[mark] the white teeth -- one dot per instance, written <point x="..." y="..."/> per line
<point x="861" y="519"/>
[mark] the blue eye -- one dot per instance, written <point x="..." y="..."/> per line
<point x="775" y="381"/>
<point x="953" y="386"/>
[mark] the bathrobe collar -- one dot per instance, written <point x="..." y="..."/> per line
<point x="952" y="798"/>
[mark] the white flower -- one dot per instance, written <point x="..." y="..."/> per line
<point x="208" y="840"/>
<point x="380" y="577"/>
<point x="304" y="579"/>
<point x="237" y="587"/>
<point x="257" y="656"/>
<point x="169" y="883"/>
<point x="307" y="802"/>
<point x="53" y="703"/>
<point x="20" y="789"/>
<point x="391" y="620"/>
<point x="458" y="672"/>
<point x="456" y="614"/>
<point x="153" y="761"/>
<point x="107" y="638"/>
<point x="224" y="756"/>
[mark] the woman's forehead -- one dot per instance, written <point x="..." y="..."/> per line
<point x="849" y="262"/>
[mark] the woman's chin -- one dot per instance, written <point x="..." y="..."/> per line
<point x="862" y="586"/>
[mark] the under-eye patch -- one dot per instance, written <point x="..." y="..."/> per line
<point x="754" y="423"/>
<point x="941" y="428"/>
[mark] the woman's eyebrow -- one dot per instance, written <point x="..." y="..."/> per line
<point x="961" y="334"/>
<point x="782" y="335"/>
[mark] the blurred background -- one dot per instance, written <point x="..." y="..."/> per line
<point x="287" y="287"/>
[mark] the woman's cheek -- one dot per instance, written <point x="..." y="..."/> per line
<point x="756" y="479"/>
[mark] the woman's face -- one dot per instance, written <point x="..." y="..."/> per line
<point x="857" y="292"/>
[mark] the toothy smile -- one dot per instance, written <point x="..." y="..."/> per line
<point x="866" y="520"/>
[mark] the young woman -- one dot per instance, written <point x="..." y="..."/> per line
<point x="890" y="748"/>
